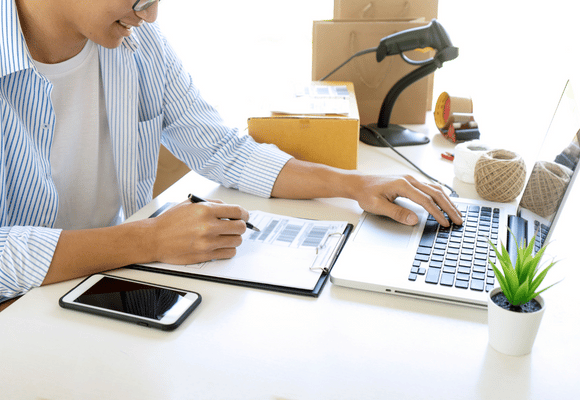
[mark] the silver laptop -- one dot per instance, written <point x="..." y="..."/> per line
<point x="451" y="264"/>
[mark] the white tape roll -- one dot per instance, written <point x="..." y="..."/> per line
<point x="466" y="155"/>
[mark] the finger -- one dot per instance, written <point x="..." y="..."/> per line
<point x="214" y="212"/>
<point x="209" y="243"/>
<point x="416" y="192"/>
<point x="225" y="227"/>
<point x="227" y="242"/>
<point x="442" y="202"/>
<point x="216" y="201"/>
<point x="226" y="248"/>
<point x="229" y="211"/>
<point x="222" y="254"/>
<point x="195" y="258"/>
<point x="399" y="213"/>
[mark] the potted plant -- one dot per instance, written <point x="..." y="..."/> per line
<point x="515" y="309"/>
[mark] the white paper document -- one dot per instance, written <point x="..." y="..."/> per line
<point x="315" y="100"/>
<point x="288" y="251"/>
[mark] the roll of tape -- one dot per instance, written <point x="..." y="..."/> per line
<point x="466" y="156"/>
<point x="450" y="109"/>
<point x="500" y="175"/>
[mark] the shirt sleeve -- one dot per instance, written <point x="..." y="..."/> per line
<point x="195" y="133"/>
<point x="25" y="256"/>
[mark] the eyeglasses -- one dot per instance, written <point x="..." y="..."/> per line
<point x="141" y="5"/>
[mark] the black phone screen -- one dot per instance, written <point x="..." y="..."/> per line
<point x="131" y="297"/>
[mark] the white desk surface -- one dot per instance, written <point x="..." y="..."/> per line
<point x="251" y="344"/>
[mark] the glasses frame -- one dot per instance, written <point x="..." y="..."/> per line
<point x="145" y="5"/>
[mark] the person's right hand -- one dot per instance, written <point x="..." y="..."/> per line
<point x="190" y="233"/>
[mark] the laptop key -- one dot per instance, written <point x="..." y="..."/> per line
<point x="429" y="233"/>
<point x="422" y="257"/>
<point x="478" y="275"/>
<point x="479" y="268"/>
<point x="447" y="279"/>
<point x="432" y="275"/>
<point x="463" y="277"/>
<point x="423" y="250"/>
<point x="462" y="284"/>
<point x="477" y="284"/>
<point x="465" y="270"/>
<point x="438" y="258"/>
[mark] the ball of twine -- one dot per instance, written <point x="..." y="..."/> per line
<point x="500" y="175"/>
<point x="546" y="187"/>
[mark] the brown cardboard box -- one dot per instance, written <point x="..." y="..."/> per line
<point x="385" y="9"/>
<point x="335" y="41"/>
<point x="330" y="139"/>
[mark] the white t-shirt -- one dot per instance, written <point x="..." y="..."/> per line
<point x="81" y="158"/>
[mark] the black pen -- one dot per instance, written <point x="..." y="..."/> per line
<point x="195" y="199"/>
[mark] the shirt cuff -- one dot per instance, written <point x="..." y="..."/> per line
<point x="262" y="170"/>
<point x="25" y="258"/>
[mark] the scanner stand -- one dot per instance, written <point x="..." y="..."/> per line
<point x="397" y="135"/>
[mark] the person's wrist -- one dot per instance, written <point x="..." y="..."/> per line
<point x="145" y="239"/>
<point x="346" y="184"/>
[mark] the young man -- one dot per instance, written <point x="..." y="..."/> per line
<point x="88" y="92"/>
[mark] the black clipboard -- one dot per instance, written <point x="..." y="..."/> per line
<point x="315" y="292"/>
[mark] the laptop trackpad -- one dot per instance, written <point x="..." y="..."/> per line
<point x="383" y="231"/>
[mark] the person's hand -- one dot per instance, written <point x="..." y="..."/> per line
<point x="377" y="194"/>
<point x="190" y="233"/>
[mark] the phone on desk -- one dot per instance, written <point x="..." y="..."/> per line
<point x="142" y="303"/>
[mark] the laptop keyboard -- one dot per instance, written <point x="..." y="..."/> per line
<point x="457" y="256"/>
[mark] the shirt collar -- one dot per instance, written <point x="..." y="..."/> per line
<point x="15" y="55"/>
<point x="131" y="42"/>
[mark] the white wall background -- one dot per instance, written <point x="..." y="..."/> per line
<point x="515" y="55"/>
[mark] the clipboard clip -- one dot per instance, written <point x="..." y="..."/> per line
<point x="320" y="247"/>
<point x="323" y="244"/>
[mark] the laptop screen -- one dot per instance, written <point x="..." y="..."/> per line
<point x="555" y="169"/>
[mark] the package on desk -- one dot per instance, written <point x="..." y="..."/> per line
<point x="385" y="9"/>
<point x="336" y="41"/>
<point x="319" y="122"/>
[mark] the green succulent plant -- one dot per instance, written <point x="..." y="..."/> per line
<point x="520" y="283"/>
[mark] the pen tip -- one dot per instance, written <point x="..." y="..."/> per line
<point x="255" y="229"/>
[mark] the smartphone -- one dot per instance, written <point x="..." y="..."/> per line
<point x="142" y="303"/>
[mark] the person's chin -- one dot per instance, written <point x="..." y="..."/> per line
<point x="112" y="44"/>
<point x="116" y="35"/>
<point x="111" y="41"/>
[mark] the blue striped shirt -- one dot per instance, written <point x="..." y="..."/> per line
<point x="150" y="100"/>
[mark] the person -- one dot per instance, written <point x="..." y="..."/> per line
<point x="88" y="92"/>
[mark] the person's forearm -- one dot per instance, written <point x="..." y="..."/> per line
<point x="84" y="252"/>
<point x="374" y="193"/>
<point x="187" y="233"/>
<point x="305" y="180"/>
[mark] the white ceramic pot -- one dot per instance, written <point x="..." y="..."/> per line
<point x="510" y="332"/>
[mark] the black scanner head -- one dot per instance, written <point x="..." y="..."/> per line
<point x="432" y="35"/>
